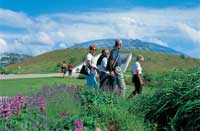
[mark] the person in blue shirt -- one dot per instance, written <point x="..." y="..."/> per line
<point x="114" y="66"/>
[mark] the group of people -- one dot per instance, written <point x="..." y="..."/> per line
<point x="109" y="69"/>
<point x="65" y="67"/>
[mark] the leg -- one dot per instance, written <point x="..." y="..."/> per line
<point x="111" y="83"/>
<point x="103" y="80"/>
<point x="95" y="84"/>
<point x="92" y="82"/>
<point x="138" y="86"/>
<point x="70" y="72"/>
<point x="139" y="89"/>
<point x="89" y="81"/>
<point x="120" y="81"/>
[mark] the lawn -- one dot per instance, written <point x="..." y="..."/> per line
<point x="25" y="86"/>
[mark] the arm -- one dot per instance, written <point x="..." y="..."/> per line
<point x="89" y="62"/>
<point x="140" y="78"/>
<point x="112" y="73"/>
<point x="113" y="56"/>
<point x="104" y="62"/>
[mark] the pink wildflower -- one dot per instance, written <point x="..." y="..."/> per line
<point x="15" y="107"/>
<point x="78" y="125"/>
<point x="20" y="99"/>
<point x="6" y="111"/>
<point x="41" y="103"/>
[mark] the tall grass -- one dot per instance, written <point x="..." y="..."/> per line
<point x="176" y="106"/>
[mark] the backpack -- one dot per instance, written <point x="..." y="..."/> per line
<point x="100" y="60"/>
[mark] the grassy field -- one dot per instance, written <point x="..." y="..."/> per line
<point x="50" y="62"/>
<point x="26" y="86"/>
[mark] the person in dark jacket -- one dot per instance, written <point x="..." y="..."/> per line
<point x="114" y="66"/>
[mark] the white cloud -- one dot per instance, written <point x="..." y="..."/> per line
<point x="45" y="38"/>
<point x="63" y="29"/>
<point x="190" y="33"/>
<point x="3" y="46"/>
<point x="15" y="19"/>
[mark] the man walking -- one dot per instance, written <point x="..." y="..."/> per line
<point x="114" y="66"/>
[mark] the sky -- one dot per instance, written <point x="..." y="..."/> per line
<point x="37" y="26"/>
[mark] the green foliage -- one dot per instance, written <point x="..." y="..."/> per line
<point x="3" y="70"/>
<point x="35" y="120"/>
<point x="176" y="105"/>
<point x="110" y="111"/>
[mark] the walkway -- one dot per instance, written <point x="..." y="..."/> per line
<point x="17" y="76"/>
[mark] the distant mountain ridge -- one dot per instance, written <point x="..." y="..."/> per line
<point x="12" y="58"/>
<point x="132" y="44"/>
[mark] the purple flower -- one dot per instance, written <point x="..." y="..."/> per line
<point x="77" y="129"/>
<point x="78" y="124"/>
<point x="6" y="111"/>
<point x="15" y="107"/>
<point x="1" y="107"/>
<point x="17" y="103"/>
<point x="41" y="103"/>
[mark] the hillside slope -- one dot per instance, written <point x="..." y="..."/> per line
<point x="50" y="61"/>
<point x="130" y="44"/>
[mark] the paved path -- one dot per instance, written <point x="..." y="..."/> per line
<point x="16" y="76"/>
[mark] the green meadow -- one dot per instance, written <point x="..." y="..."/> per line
<point x="13" y="87"/>
<point x="169" y="101"/>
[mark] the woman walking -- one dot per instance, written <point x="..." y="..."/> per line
<point x="89" y="62"/>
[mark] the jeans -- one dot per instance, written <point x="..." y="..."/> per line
<point x="91" y="81"/>
<point x="120" y="80"/>
<point x="106" y="83"/>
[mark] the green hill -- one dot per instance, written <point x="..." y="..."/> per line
<point x="50" y="61"/>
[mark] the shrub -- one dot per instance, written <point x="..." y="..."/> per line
<point x="105" y="108"/>
<point x="176" y="106"/>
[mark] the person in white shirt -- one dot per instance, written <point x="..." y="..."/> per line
<point x="101" y="64"/>
<point x="137" y="78"/>
<point x="89" y="62"/>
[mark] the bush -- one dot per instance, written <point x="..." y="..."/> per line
<point x="3" y="70"/>
<point x="176" y="106"/>
<point x="105" y="108"/>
